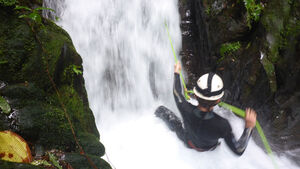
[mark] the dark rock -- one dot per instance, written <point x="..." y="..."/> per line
<point x="80" y="161"/>
<point x="90" y="144"/>
<point x="10" y="165"/>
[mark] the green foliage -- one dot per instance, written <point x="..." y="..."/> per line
<point x="57" y="18"/>
<point x="207" y="11"/>
<point x="270" y="71"/>
<point x="54" y="160"/>
<point x="3" y="62"/>
<point x="76" y="69"/>
<point x="40" y="163"/>
<point x="253" y="11"/>
<point x="71" y="71"/>
<point x="32" y="14"/>
<point x="4" y="106"/>
<point x="8" y="2"/>
<point x="228" y="48"/>
<point x="46" y="164"/>
<point x="291" y="29"/>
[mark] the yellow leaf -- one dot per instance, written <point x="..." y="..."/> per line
<point x="14" y="148"/>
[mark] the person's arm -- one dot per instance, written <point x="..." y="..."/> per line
<point x="181" y="103"/>
<point x="239" y="146"/>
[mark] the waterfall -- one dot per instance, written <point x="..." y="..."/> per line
<point x="128" y="72"/>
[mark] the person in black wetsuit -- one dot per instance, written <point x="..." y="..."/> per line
<point x="201" y="128"/>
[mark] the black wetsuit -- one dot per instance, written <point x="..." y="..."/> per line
<point x="201" y="130"/>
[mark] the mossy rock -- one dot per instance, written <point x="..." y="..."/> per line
<point x="11" y="165"/>
<point x="4" y="123"/>
<point x="45" y="94"/>
<point x="90" y="144"/>
<point x="80" y="161"/>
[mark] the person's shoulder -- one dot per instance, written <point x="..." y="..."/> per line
<point x="222" y="121"/>
<point x="219" y="117"/>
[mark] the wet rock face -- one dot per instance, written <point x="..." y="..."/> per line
<point x="263" y="72"/>
<point x="205" y="26"/>
<point x="226" y="20"/>
<point x="38" y="112"/>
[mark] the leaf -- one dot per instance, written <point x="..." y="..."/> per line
<point x="40" y="162"/>
<point x="23" y="16"/>
<point x="76" y="69"/>
<point x="3" y="62"/>
<point x="228" y="48"/>
<point x="56" y="18"/>
<point x="14" y="148"/>
<point x="4" y="105"/>
<point x="36" y="17"/>
<point x="23" y="7"/>
<point x="43" y="8"/>
<point x="54" y="161"/>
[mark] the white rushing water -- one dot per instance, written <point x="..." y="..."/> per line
<point x="124" y="46"/>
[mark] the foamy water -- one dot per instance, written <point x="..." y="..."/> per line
<point x="125" y="48"/>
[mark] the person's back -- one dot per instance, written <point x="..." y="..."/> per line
<point x="205" y="133"/>
<point x="202" y="127"/>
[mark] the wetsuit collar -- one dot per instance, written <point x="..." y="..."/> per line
<point x="203" y="115"/>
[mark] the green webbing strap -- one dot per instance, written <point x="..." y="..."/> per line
<point x="181" y="77"/>
<point x="241" y="113"/>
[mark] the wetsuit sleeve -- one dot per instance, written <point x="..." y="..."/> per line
<point x="181" y="103"/>
<point x="238" y="146"/>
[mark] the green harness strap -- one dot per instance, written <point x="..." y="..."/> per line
<point x="234" y="109"/>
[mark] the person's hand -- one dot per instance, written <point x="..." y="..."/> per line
<point x="177" y="67"/>
<point x="250" y="118"/>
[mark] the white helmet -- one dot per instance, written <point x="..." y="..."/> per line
<point x="209" y="87"/>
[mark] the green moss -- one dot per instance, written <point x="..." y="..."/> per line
<point x="38" y="114"/>
<point x="270" y="71"/>
<point x="8" y="2"/>
<point x="56" y="131"/>
<point x="22" y="55"/>
<point x="90" y="144"/>
<point x="80" y="161"/>
<point x="53" y="43"/>
<point x="274" y="20"/>
<point x="25" y="91"/>
<point x="283" y="28"/>
<point x="75" y="108"/>
<point x="10" y="165"/>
